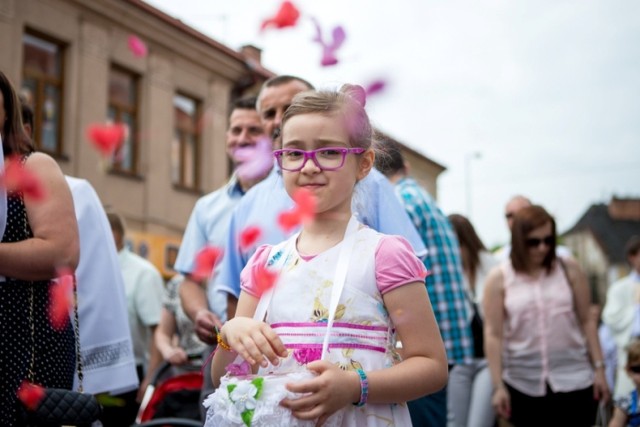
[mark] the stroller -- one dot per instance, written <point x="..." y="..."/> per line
<point x="172" y="399"/>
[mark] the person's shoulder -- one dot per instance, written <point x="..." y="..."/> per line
<point x="43" y="164"/>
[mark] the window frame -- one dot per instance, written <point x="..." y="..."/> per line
<point x="42" y="80"/>
<point x="134" y="112"/>
<point x="181" y="184"/>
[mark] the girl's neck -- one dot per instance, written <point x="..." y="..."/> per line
<point x="323" y="233"/>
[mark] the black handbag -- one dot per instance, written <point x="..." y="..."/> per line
<point x="59" y="406"/>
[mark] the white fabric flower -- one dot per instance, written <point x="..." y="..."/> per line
<point x="243" y="396"/>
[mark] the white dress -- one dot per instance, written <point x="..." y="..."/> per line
<point x="362" y="335"/>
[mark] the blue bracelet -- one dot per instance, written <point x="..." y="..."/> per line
<point x="364" y="388"/>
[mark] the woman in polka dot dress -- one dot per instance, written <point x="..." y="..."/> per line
<point x="38" y="235"/>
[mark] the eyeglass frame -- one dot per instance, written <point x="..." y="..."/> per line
<point x="311" y="155"/>
<point x="534" y="242"/>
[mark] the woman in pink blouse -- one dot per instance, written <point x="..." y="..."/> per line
<point x="541" y="344"/>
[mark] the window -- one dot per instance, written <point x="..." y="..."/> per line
<point x="185" y="147"/>
<point x="123" y="108"/>
<point x="42" y="86"/>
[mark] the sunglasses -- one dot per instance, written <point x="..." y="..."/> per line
<point x="635" y="369"/>
<point x="534" y="242"/>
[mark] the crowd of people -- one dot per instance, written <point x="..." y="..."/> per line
<point x="404" y="316"/>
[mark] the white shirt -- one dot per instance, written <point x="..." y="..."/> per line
<point x="105" y="342"/>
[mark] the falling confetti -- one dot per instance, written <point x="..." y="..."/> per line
<point x="303" y="212"/>
<point x="249" y="236"/>
<point x="205" y="262"/>
<point x="265" y="279"/>
<point x="287" y="16"/>
<point x="375" y="87"/>
<point x="19" y="179"/>
<point x="30" y="395"/>
<point x="329" y="48"/>
<point x="61" y="296"/>
<point x="254" y="161"/>
<point x="137" y="46"/>
<point x="107" y="138"/>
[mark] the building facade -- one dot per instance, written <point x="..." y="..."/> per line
<point x="72" y="62"/>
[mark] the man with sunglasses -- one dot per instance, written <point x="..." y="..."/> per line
<point x="621" y="311"/>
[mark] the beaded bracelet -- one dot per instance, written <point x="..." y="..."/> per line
<point x="364" y="388"/>
<point x="220" y="341"/>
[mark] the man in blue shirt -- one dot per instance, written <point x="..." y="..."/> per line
<point x="445" y="283"/>
<point x="374" y="203"/>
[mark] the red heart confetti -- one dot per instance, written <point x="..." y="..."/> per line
<point x="287" y="16"/>
<point x="205" y="262"/>
<point x="107" y="138"/>
<point x="265" y="279"/>
<point x="249" y="236"/>
<point x="61" y="297"/>
<point x="30" y="395"/>
<point x="19" y="179"/>
<point x="288" y="220"/>
<point x="306" y="204"/>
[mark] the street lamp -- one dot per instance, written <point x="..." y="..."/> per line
<point x="467" y="178"/>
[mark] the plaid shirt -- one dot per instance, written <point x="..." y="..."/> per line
<point x="444" y="284"/>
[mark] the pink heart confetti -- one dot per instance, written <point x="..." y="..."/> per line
<point x="137" y="46"/>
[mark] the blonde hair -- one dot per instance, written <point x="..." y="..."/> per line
<point x="347" y="103"/>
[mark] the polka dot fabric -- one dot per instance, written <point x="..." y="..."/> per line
<point x="54" y="350"/>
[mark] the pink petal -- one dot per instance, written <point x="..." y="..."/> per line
<point x="375" y="87"/>
<point x="254" y="161"/>
<point x="206" y="261"/>
<point x="30" y="395"/>
<point x="249" y="236"/>
<point x="137" y="46"/>
<point x="328" y="58"/>
<point x="339" y="36"/>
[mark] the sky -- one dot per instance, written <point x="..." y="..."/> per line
<point x="532" y="97"/>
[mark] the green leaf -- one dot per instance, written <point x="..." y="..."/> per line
<point x="247" y="416"/>
<point x="258" y="383"/>
<point x="230" y="388"/>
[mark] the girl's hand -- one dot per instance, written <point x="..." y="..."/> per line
<point x="327" y="393"/>
<point x="501" y="402"/>
<point x="253" y="340"/>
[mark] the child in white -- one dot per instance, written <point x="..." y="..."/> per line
<point x="326" y="139"/>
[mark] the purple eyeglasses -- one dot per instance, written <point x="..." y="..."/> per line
<point x="326" y="158"/>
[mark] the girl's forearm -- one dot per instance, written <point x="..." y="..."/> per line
<point x="414" y="377"/>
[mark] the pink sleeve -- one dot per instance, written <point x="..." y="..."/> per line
<point x="397" y="264"/>
<point x="247" y="276"/>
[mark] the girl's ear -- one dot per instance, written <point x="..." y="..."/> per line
<point x="367" y="160"/>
